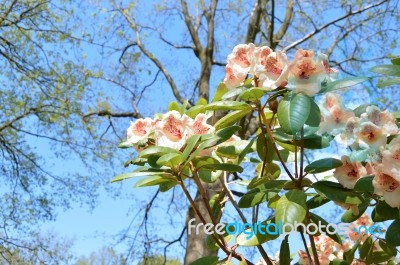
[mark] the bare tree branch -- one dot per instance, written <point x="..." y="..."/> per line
<point x="349" y="14"/>
<point x="285" y="24"/>
<point x="113" y="114"/>
<point x="255" y="21"/>
<point x="193" y="33"/>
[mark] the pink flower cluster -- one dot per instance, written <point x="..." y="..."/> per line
<point x="273" y="69"/>
<point x="369" y="132"/>
<point x="172" y="130"/>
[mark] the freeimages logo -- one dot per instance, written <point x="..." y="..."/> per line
<point x="282" y="229"/>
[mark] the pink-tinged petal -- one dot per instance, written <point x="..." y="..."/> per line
<point x="391" y="159"/>
<point x="242" y="55"/>
<point x="383" y="119"/>
<point x="274" y="72"/>
<point x="139" y="130"/>
<point x="331" y="100"/>
<point x="387" y="186"/>
<point x="370" y="135"/>
<point x="349" y="172"/>
<point x="336" y="119"/>
<point x="173" y="130"/>
<point x="235" y="75"/>
<point x="200" y="125"/>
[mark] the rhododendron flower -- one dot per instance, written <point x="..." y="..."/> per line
<point x="273" y="72"/>
<point x="387" y="186"/>
<point x="200" y="125"/>
<point x="349" y="133"/>
<point x="173" y="130"/>
<point x="306" y="74"/>
<point x="139" y="130"/>
<point x="383" y="119"/>
<point x="331" y="100"/>
<point x="369" y="135"/>
<point x="235" y="75"/>
<point x="349" y="172"/>
<point x="325" y="246"/>
<point x="336" y="120"/>
<point x="242" y="55"/>
<point x="348" y="206"/>
<point x="391" y="159"/>
<point x="331" y="73"/>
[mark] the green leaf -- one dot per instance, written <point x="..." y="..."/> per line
<point x="365" y="184"/>
<point x="380" y="256"/>
<point x="255" y="197"/>
<point x="170" y="160"/>
<point x="272" y="184"/>
<point x="232" y="149"/>
<point x="166" y="186"/>
<point x="393" y="233"/>
<point x="252" y="94"/>
<point x="291" y="207"/>
<point x="209" y="176"/>
<point x="293" y="113"/>
<point x="271" y="171"/>
<point x="316" y="201"/>
<point x="152" y="181"/>
<point x="227" y="132"/>
<point x="335" y="192"/>
<point x="175" y="106"/>
<point x="342" y="83"/>
<point x="215" y="204"/>
<point x="125" y="144"/>
<point x="195" y="110"/>
<point x="386" y="212"/>
<point x="210" y="260"/>
<point x="349" y="216"/>
<point x="228" y="105"/>
<point x="291" y="185"/>
<point x="387" y="69"/>
<point x="137" y="173"/>
<point x="231" y="118"/>
<point x="396" y="61"/>
<point x="339" y="262"/>
<point x="248" y="240"/>
<point x="284" y="253"/>
<point x="330" y="231"/>
<point x="234" y="92"/>
<point x="359" y="155"/>
<point x="366" y="247"/>
<point x="220" y="92"/>
<point x="385" y="82"/>
<point x="316" y="141"/>
<point x="159" y="150"/>
<point x="223" y="166"/>
<point x="348" y="255"/>
<point x="323" y="165"/>
<point x="391" y="250"/>
<point x="314" y="118"/>
<point x="190" y="144"/>
<point x="265" y="148"/>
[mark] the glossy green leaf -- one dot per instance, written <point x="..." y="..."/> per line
<point x="293" y="113"/>
<point x="220" y="92"/>
<point x="385" y="82"/>
<point x="365" y="184"/>
<point x="387" y="212"/>
<point x="234" y="92"/>
<point x="227" y="132"/>
<point x="379" y="257"/>
<point x="291" y="207"/>
<point x="393" y="233"/>
<point x="255" y="197"/>
<point x="232" y="149"/>
<point x="335" y="192"/>
<point x="348" y="216"/>
<point x="209" y="176"/>
<point x="152" y="181"/>
<point x="228" y="105"/>
<point x="166" y="186"/>
<point x="252" y="94"/>
<point x="125" y="144"/>
<point x="348" y="255"/>
<point x="323" y="165"/>
<point x="339" y="262"/>
<point x="265" y="148"/>
<point x="190" y="144"/>
<point x="330" y="231"/>
<point x="271" y="171"/>
<point x="395" y="61"/>
<point x="210" y="260"/>
<point x="138" y="173"/>
<point x="358" y="155"/>
<point x="175" y="106"/>
<point x="170" y="160"/>
<point x="223" y="166"/>
<point x="160" y="150"/>
<point x="366" y="247"/>
<point x="231" y="118"/>
<point x="387" y="69"/>
<point x="284" y="253"/>
<point x="316" y="201"/>
<point x="342" y="83"/>
<point x="314" y="118"/>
